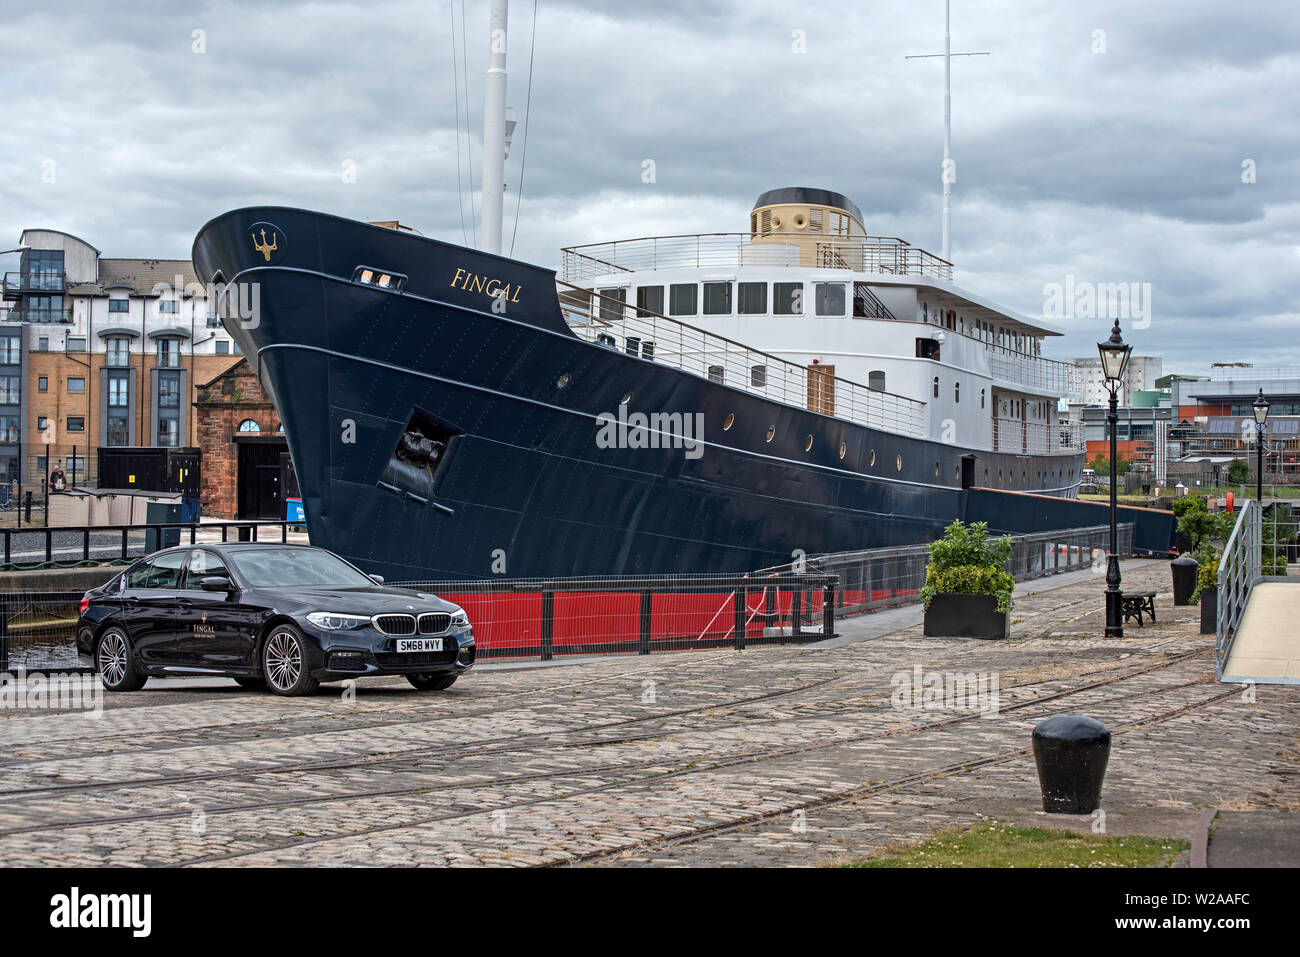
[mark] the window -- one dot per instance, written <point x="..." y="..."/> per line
<point x="751" y="298"/>
<point x="169" y="392"/>
<point x="169" y="353"/>
<point x="119" y="305"/>
<point x="9" y="390"/>
<point x="223" y="347"/>
<point x="43" y="344"/>
<point x="119" y="431"/>
<point x="717" y="374"/>
<point x="43" y="384"/>
<point x="936" y="387"/>
<point x="78" y="464"/>
<point x="612" y="311"/>
<point x="76" y="344"/>
<point x="10" y="352"/>
<point x="118" y="391"/>
<point x="76" y="423"/>
<point x="9" y="428"/>
<point x="76" y="384"/>
<point x="44" y="309"/>
<point x="650" y="299"/>
<point x="168" y="433"/>
<point x="118" y="351"/>
<point x="830" y="298"/>
<point x="248" y="425"/>
<point x="787" y="298"/>
<point x="43" y="269"/>
<point x="925" y="312"/>
<point x="956" y="392"/>
<point x="169" y="306"/>
<point x="164" y="571"/>
<point x="717" y="298"/>
<point x="927" y="349"/>
<point x="42" y="423"/>
<point x="682" y="299"/>
<point x="981" y="398"/>
<point x="876" y="380"/>
<point x="204" y="564"/>
<point x="758" y="377"/>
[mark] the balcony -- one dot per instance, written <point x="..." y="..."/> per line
<point x="1036" y="438"/>
<point x="17" y="284"/>
<point x="864" y="254"/>
<point x="1034" y="373"/>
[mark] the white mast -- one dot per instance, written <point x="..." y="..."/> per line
<point x="494" y="131"/>
<point x="948" y="173"/>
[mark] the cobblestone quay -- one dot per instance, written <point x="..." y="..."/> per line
<point x="770" y="756"/>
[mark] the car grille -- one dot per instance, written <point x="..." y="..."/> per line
<point x="395" y="624"/>
<point x="434" y="623"/>
<point x="416" y="659"/>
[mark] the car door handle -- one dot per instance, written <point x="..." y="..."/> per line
<point x="186" y="603"/>
<point x="133" y="601"/>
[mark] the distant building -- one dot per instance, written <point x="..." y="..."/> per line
<point x="98" y="351"/>
<point x="1140" y="375"/>
<point x="1214" y="420"/>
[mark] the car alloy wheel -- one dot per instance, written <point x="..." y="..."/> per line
<point x="284" y="663"/>
<point x="116" y="668"/>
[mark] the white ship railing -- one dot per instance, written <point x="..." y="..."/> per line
<point x="1035" y="438"/>
<point x="879" y="254"/>
<point x="1061" y="379"/>
<point x="670" y="342"/>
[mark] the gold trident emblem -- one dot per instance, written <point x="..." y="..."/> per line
<point x="263" y="247"/>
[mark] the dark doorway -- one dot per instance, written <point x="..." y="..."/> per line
<point x="260" y="483"/>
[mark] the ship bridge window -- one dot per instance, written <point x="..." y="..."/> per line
<point x="787" y="298"/>
<point x="383" y="278"/>
<point x="751" y="298"/>
<point x="611" y="309"/>
<point x="682" y="299"/>
<point x="717" y="298"/>
<point x="717" y="374"/>
<point x="758" y="377"/>
<point x="830" y="298"/>
<point x="650" y="299"/>
<point x="876" y="380"/>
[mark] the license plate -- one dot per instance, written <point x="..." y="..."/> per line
<point x="419" y="644"/>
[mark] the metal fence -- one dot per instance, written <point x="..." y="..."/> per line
<point x="1259" y="532"/>
<point x="886" y="577"/>
<point x="37" y="632"/>
<point x="70" y="545"/>
<point x="547" y="618"/>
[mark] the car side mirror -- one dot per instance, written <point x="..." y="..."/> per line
<point x="377" y="579"/>
<point x="217" y="583"/>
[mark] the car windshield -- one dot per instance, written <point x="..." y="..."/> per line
<point x="295" y="567"/>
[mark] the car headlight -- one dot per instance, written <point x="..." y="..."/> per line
<point x="334" y="621"/>
<point x="458" y="617"/>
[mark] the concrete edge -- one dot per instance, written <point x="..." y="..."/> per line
<point x="1201" y="838"/>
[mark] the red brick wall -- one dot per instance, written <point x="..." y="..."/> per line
<point x="221" y="406"/>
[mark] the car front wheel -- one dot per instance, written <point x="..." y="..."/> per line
<point x="116" y="664"/>
<point x="284" y="662"/>
<point x="428" y="682"/>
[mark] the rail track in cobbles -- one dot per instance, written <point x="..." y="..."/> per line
<point x="567" y="765"/>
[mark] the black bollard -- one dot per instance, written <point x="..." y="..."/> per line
<point x="1071" y="752"/>
<point x="1185" y="570"/>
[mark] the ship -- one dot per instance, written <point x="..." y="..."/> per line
<point x="715" y="403"/>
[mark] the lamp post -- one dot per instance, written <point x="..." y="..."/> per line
<point x="1260" y="408"/>
<point x="1114" y="360"/>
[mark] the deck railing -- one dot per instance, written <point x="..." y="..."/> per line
<point x="887" y="255"/>
<point x="1239" y="569"/>
<point x="1034" y="372"/>
<point x="1036" y="438"/>
<point x="651" y="336"/>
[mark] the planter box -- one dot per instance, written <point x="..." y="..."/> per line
<point x="1209" y="611"/>
<point x="965" y="616"/>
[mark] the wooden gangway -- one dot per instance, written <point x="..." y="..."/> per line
<point x="1266" y="647"/>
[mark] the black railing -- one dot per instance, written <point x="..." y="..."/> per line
<point x="70" y="545"/>
<point x="546" y="618"/>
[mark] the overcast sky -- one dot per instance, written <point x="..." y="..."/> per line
<point x="1101" y="140"/>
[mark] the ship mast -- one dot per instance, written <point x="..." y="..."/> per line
<point x="494" y="131"/>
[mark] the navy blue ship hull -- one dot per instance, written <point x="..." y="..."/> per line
<point x="434" y="437"/>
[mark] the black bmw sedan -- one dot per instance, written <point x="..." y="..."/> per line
<point x="282" y="617"/>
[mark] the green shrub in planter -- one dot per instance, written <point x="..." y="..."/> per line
<point x="1207" y="572"/>
<point x="965" y="562"/>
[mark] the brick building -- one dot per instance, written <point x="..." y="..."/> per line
<point x="246" y="469"/>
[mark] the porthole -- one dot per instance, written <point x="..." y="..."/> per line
<point x="899" y="463"/>
<point x="807" y="444"/>
<point x="771" y="433"/>
<point x="563" y="381"/>
<point x="626" y="399"/>
<point x="843" y="450"/>
<point x="872" y="462"/>
<point x="729" y="421"/>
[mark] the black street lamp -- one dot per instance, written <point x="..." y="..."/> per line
<point x="1114" y="360"/>
<point x="1260" y="408"/>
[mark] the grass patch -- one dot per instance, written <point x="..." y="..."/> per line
<point x="1002" y="845"/>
